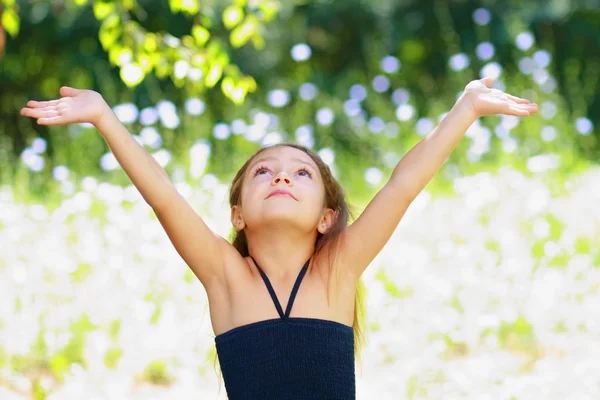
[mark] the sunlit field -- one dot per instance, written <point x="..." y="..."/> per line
<point x="493" y="293"/>
<point x="489" y="288"/>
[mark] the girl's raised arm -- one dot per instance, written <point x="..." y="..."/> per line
<point x="370" y="232"/>
<point x="201" y="249"/>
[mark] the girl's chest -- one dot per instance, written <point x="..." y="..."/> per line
<point x="248" y="300"/>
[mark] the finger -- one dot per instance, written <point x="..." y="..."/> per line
<point x="487" y="81"/>
<point x="517" y="100"/>
<point x="38" y="104"/>
<point x="532" y="108"/>
<point x="39" y="112"/>
<point x="58" y="120"/>
<point x="67" y="91"/>
<point x="528" y="107"/>
<point x="31" y="112"/>
<point x="518" y="111"/>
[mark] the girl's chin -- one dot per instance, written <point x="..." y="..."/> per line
<point x="289" y="217"/>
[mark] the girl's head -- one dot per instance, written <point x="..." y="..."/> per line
<point x="317" y="205"/>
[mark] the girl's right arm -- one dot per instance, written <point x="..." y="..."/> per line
<point x="202" y="249"/>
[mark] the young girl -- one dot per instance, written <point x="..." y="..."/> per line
<point x="282" y="296"/>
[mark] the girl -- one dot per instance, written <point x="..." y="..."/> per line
<point x="296" y="339"/>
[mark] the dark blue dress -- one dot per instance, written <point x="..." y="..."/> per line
<point x="288" y="358"/>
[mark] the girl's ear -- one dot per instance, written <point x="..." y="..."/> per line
<point x="237" y="220"/>
<point x="327" y="220"/>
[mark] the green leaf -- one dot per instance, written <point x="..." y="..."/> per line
<point x="206" y="21"/>
<point x="582" y="245"/>
<point x="119" y="55"/>
<point x="200" y="34"/>
<point x="232" y="16"/>
<point x="234" y="92"/>
<point x="249" y="83"/>
<point x="188" y="42"/>
<point x="150" y="43"/>
<point x="222" y="58"/>
<point x="197" y="60"/>
<point x="128" y="4"/>
<point x="391" y="288"/>
<point x="82" y="272"/>
<point x="114" y="329"/>
<point x="103" y="9"/>
<point x="188" y="277"/>
<point x="146" y="62"/>
<point x="240" y="35"/>
<point x="214" y="49"/>
<point x="10" y="22"/>
<point x="190" y="6"/>
<point x="187" y="6"/>
<point x="175" y="5"/>
<point x="258" y="41"/>
<point x="81" y="2"/>
<point x="112" y="356"/>
<point x="132" y="74"/>
<point x="214" y="74"/>
<point x="111" y="22"/>
<point x="108" y="37"/>
<point x="162" y="67"/>
<point x="519" y="335"/>
<point x="156" y="373"/>
<point x="560" y="261"/>
<point x="59" y="364"/>
<point x="269" y="10"/>
<point x="4" y="358"/>
<point x="556" y="227"/>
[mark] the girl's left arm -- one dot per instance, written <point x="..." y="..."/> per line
<point x="369" y="233"/>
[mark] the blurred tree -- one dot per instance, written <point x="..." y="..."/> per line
<point x="152" y="46"/>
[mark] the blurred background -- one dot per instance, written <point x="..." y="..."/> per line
<point x="490" y="286"/>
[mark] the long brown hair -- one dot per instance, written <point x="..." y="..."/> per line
<point x="326" y="244"/>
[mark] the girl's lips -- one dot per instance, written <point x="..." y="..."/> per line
<point x="280" y="192"/>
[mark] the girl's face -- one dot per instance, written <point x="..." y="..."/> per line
<point x="282" y="185"/>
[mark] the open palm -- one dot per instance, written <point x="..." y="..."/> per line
<point x="75" y="106"/>
<point x="488" y="101"/>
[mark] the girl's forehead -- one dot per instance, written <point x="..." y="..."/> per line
<point x="285" y="153"/>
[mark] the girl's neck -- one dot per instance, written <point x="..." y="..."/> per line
<point x="281" y="254"/>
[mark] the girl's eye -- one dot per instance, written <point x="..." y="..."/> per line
<point x="304" y="172"/>
<point x="260" y="170"/>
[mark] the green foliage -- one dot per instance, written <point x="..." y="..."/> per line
<point x="156" y="373"/>
<point x="115" y="328"/>
<point x="59" y="364"/>
<point x="456" y="303"/>
<point x="189" y="277"/>
<point x="145" y="52"/>
<point x="10" y="18"/>
<point x="138" y="52"/>
<point x="3" y="357"/>
<point x="517" y="336"/>
<point x="391" y="288"/>
<point x="81" y="273"/>
<point x="112" y="356"/>
<point x="73" y="351"/>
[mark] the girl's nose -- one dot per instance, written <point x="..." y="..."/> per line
<point x="281" y="176"/>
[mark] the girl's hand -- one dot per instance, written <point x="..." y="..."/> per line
<point x="75" y="106"/>
<point x="486" y="101"/>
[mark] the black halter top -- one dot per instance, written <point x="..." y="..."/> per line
<point x="288" y="357"/>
